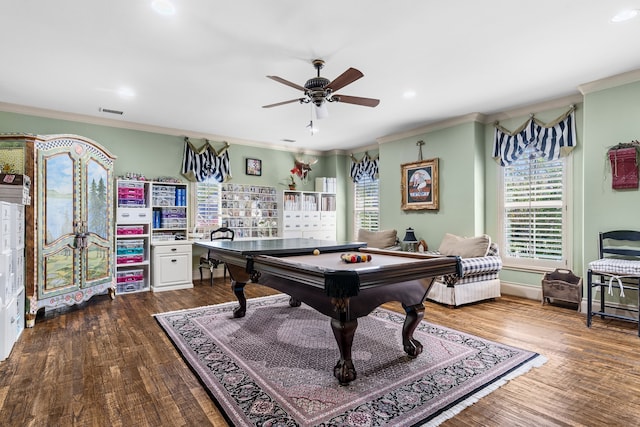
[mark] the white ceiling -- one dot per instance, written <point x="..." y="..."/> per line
<point x="202" y="71"/>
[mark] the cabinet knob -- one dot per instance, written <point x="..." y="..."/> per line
<point x="174" y="249"/>
<point x="174" y="260"/>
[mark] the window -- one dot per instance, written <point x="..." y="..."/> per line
<point x="206" y="212"/>
<point x="534" y="227"/>
<point x="366" y="205"/>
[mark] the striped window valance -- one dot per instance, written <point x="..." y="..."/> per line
<point x="365" y="167"/>
<point x="199" y="165"/>
<point x="551" y="140"/>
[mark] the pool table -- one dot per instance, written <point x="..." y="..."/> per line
<point x="343" y="291"/>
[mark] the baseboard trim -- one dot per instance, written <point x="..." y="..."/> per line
<point x="520" y="290"/>
<point x="535" y="293"/>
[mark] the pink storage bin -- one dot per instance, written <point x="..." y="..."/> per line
<point x="129" y="259"/>
<point x="131" y="193"/>
<point x="128" y="230"/>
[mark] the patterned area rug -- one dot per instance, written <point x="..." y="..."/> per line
<point x="274" y="367"/>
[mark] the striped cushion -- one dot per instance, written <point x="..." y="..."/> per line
<point x="620" y="267"/>
<point x="485" y="264"/>
<point x="475" y="269"/>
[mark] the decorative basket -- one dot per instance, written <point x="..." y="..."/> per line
<point x="562" y="285"/>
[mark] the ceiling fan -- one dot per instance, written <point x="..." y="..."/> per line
<point x="318" y="89"/>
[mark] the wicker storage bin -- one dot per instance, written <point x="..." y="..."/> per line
<point x="562" y="285"/>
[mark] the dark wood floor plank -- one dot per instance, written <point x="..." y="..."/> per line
<point x="108" y="363"/>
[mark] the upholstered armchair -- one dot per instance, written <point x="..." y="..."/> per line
<point x="481" y="265"/>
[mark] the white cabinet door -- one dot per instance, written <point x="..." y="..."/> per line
<point x="171" y="267"/>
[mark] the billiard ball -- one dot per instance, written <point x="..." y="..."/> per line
<point x="316" y="252"/>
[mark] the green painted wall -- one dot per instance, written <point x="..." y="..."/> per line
<point x="611" y="117"/>
<point x="461" y="183"/>
<point x="337" y="165"/>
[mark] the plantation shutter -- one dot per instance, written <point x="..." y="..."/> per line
<point x="534" y="207"/>
<point x="207" y="204"/>
<point x="367" y="208"/>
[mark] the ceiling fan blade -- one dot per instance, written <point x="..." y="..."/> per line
<point x="349" y="76"/>
<point x="283" y="102"/>
<point x="287" y="82"/>
<point x="367" y="102"/>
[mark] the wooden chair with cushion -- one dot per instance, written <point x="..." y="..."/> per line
<point x="206" y="261"/>
<point x="617" y="270"/>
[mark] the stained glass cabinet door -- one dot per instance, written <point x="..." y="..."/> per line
<point x="74" y="197"/>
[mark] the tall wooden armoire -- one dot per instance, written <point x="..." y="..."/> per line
<point x="69" y="224"/>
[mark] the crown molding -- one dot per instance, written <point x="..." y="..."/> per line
<point x="472" y="117"/>
<point x="610" y="82"/>
<point x="565" y="101"/>
<point x="481" y="118"/>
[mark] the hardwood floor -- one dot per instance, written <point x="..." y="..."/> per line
<point x="108" y="363"/>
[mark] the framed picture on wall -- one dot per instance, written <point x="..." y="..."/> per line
<point x="254" y="167"/>
<point x="420" y="185"/>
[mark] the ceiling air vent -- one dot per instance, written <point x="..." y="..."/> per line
<point x="107" y="110"/>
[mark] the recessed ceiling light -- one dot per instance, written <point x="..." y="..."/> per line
<point x="625" y="15"/>
<point x="126" y="92"/>
<point x="163" y="7"/>
<point x="409" y="94"/>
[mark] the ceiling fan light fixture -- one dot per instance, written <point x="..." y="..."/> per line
<point x="322" y="112"/>
<point x="318" y="100"/>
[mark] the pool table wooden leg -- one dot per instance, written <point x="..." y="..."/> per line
<point x="238" y="290"/>
<point x="344" y="370"/>
<point x="294" y="302"/>
<point x="415" y="314"/>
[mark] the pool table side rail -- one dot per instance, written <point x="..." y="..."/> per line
<point x="278" y="247"/>
<point x="367" y="277"/>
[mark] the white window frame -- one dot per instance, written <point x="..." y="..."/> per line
<point x="370" y="207"/>
<point x="537" y="264"/>
<point x="197" y="224"/>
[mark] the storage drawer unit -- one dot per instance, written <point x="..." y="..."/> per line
<point x="131" y="287"/>
<point x="133" y="233"/>
<point x="128" y="215"/>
